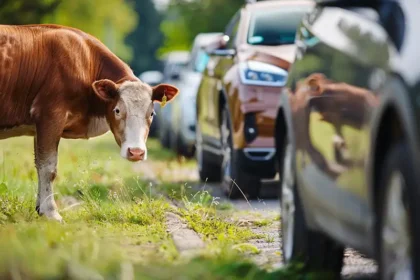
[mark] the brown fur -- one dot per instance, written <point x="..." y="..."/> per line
<point x="48" y="70"/>
<point x="54" y="81"/>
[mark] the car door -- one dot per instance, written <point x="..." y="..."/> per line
<point x="226" y="61"/>
<point x="211" y="86"/>
<point x="345" y="62"/>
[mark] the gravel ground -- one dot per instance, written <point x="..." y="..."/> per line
<point x="355" y="267"/>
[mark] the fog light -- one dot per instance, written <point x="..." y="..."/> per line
<point x="250" y="129"/>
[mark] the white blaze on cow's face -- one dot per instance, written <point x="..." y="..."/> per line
<point x="133" y="115"/>
<point x="130" y="113"/>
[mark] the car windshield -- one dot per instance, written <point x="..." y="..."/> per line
<point x="200" y="62"/>
<point x="275" y="27"/>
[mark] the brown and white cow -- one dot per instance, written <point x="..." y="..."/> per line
<point x="59" y="82"/>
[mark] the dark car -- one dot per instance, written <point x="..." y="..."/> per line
<point x="347" y="138"/>
<point x="236" y="101"/>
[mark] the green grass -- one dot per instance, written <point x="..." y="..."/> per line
<point x="116" y="219"/>
<point x="115" y="222"/>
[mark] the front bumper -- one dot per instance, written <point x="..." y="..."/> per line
<point x="253" y="114"/>
<point x="258" y="161"/>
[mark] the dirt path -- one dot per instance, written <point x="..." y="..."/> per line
<point x="355" y="265"/>
<point x="262" y="217"/>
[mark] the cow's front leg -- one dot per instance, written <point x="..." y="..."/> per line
<point x="46" y="151"/>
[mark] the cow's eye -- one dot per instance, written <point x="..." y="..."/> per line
<point x="117" y="111"/>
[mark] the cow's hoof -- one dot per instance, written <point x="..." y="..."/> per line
<point x="52" y="215"/>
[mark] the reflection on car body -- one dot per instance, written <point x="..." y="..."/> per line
<point x="236" y="102"/>
<point x="347" y="138"/>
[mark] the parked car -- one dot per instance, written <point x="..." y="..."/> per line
<point x="153" y="78"/>
<point x="236" y="102"/>
<point x="174" y="63"/>
<point x="348" y="137"/>
<point x="183" y="108"/>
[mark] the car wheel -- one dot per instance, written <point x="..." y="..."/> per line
<point x="315" y="250"/>
<point x="398" y="224"/>
<point x="184" y="149"/>
<point x="208" y="171"/>
<point x="236" y="182"/>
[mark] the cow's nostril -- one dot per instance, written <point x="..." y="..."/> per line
<point x="135" y="153"/>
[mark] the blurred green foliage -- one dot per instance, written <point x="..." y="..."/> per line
<point x="24" y="11"/>
<point x="110" y="21"/>
<point x="133" y="29"/>
<point x="187" y="18"/>
<point x="146" y="37"/>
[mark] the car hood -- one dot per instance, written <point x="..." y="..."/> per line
<point x="284" y="54"/>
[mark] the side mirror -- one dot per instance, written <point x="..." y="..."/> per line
<point x="218" y="47"/>
<point x="223" y="52"/>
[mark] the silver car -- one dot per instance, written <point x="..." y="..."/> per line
<point x="183" y="110"/>
<point x="174" y="63"/>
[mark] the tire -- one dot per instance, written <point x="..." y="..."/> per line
<point x="236" y="182"/>
<point x="398" y="212"/>
<point x="181" y="148"/>
<point x="207" y="170"/>
<point x="316" y="251"/>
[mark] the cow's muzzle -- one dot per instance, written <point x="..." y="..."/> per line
<point x="135" y="154"/>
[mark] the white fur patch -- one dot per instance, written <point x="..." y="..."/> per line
<point x="137" y="97"/>
<point x="46" y="170"/>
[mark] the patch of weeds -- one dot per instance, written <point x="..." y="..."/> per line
<point x="15" y="208"/>
<point x="232" y="266"/>
<point x="269" y="238"/>
<point x="246" y="247"/>
<point x="201" y="215"/>
<point x="262" y="223"/>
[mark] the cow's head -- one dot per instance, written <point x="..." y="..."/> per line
<point x="130" y="112"/>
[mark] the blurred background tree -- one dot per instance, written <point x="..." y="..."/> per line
<point x="25" y="11"/>
<point x="186" y="18"/>
<point x="110" y="21"/>
<point x="134" y="29"/>
<point x="146" y="37"/>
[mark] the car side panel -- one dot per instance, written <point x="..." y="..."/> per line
<point x="335" y="92"/>
<point x="206" y="109"/>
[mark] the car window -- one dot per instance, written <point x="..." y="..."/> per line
<point x="201" y="60"/>
<point x="275" y="26"/>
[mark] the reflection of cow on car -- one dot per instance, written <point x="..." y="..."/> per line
<point x="328" y="97"/>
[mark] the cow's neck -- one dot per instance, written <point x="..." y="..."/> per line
<point x="97" y="126"/>
<point x="112" y="68"/>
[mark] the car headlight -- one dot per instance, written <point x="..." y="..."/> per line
<point x="262" y="74"/>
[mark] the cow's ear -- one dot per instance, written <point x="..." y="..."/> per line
<point x="105" y="89"/>
<point x="315" y="86"/>
<point x="162" y="90"/>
